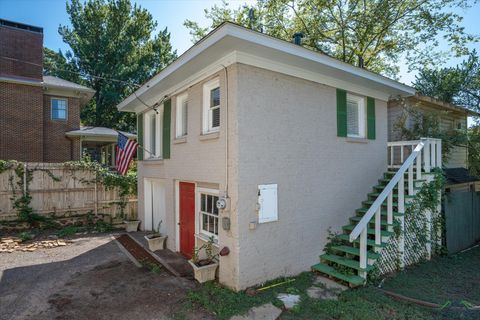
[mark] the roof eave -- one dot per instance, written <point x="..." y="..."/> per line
<point x="229" y="29"/>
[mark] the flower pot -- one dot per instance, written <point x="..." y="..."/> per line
<point x="132" y="225"/>
<point x="204" y="273"/>
<point x="155" y="241"/>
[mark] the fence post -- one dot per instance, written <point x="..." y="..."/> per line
<point x="96" y="196"/>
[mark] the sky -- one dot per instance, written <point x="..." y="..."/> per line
<point x="49" y="14"/>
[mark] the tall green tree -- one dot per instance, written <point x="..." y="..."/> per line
<point x="378" y="31"/>
<point x="459" y="85"/>
<point x="113" y="48"/>
<point x="57" y="64"/>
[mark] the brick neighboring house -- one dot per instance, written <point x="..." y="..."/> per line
<point x="39" y="112"/>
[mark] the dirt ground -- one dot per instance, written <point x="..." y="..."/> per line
<point x="88" y="279"/>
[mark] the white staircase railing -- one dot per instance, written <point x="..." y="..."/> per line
<point x="423" y="155"/>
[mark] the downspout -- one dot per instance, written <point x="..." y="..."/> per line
<point x="226" y="130"/>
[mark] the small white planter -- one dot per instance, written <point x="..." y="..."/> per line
<point x="131" y="226"/>
<point x="204" y="273"/>
<point x="155" y="242"/>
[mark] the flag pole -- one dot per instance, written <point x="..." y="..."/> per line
<point x="138" y="144"/>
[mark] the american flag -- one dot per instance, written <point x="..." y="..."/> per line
<point x="125" y="151"/>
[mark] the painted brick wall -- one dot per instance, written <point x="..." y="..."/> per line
<point x="57" y="147"/>
<point x="21" y="53"/>
<point x="21" y="128"/>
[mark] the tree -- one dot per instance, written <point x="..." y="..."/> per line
<point x="113" y="51"/>
<point x="459" y="85"/>
<point x="378" y="31"/>
<point x="58" y="65"/>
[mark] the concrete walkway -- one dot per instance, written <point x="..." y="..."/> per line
<point x="88" y="279"/>
<point x="173" y="261"/>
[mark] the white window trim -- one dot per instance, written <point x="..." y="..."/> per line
<point x="179" y="116"/>
<point x="362" y="117"/>
<point x="207" y="115"/>
<point x="51" y="109"/>
<point x="198" y="219"/>
<point x="158" y="134"/>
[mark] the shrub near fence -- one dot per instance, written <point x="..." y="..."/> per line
<point x="66" y="192"/>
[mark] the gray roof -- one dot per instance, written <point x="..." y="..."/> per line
<point x="51" y="81"/>
<point x="98" y="132"/>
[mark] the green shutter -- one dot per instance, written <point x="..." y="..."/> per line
<point x="370" y="118"/>
<point x="140" y="136"/>
<point x="341" y="113"/>
<point x="167" y="113"/>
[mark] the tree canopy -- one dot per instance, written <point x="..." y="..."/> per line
<point x="459" y="85"/>
<point x="114" y="48"/>
<point x="378" y="31"/>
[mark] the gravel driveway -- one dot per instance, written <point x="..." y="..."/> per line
<point x="88" y="279"/>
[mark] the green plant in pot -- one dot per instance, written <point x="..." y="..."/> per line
<point x="205" y="268"/>
<point x="155" y="240"/>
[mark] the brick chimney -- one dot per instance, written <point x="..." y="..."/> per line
<point x="21" y="50"/>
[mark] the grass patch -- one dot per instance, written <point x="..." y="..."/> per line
<point x="25" y="236"/>
<point x="224" y="303"/>
<point x="70" y="231"/>
<point x="359" y="304"/>
<point x="363" y="303"/>
<point x="452" y="278"/>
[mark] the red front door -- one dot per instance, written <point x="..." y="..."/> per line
<point x="187" y="218"/>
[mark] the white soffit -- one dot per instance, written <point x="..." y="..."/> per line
<point x="230" y="43"/>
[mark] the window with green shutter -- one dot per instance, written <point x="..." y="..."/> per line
<point x="371" y="118"/>
<point x="167" y="115"/>
<point x="140" y="136"/>
<point x="341" y="113"/>
<point x="354" y="119"/>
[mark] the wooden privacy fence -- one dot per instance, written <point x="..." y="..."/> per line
<point x="63" y="192"/>
<point x="462" y="220"/>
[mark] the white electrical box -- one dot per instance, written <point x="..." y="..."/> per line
<point x="267" y="203"/>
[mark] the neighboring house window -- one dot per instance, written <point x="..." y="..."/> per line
<point x="208" y="212"/>
<point x="211" y="106"/>
<point x="59" y="109"/>
<point x="152" y="133"/>
<point x="355" y="116"/>
<point x="181" y="116"/>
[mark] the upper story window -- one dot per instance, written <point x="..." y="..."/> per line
<point x="59" y="109"/>
<point x="211" y="106"/>
<point x="355" y="116"/>
<point x="181" y="123"/>
<point x="152" y="133"/>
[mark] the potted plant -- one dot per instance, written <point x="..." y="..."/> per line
<point x="156" y="240"/>
<point x="204" y="269"/>
<point x="131" y="225"/>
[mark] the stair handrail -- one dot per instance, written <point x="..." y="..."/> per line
<point x="376" y="205"/>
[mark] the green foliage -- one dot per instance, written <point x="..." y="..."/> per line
<point x="363" y="303"/>
<point x="442" y="279"/>
<point x="57" y="64"/>
<point x="114" y="48"/>
<point x="426" y="200"/>
<point x="127" y="185"/>
<point x="459" y="85"/>
<point x="332" y="241"/>
<point x="102" y="227"/>
<point x="473" y="134"/>
<point x="70" y="231"/>
<point x="153" y="267"/>
<point x="208" y="247"/>
<point x="21" y="199"/>
<point x="224" y="303"/>
<point x="427" y="124"/>
<point x="379" y="31"/>
<point x="25" y="236"/>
